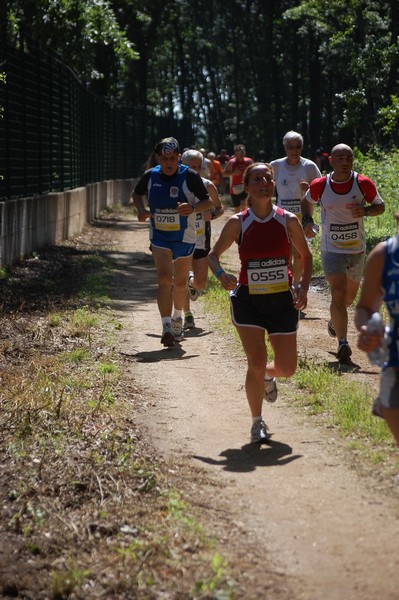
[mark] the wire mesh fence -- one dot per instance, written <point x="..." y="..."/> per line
<point x="55" y="135"/>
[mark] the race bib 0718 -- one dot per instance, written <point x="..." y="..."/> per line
<point x="166" y="219"/>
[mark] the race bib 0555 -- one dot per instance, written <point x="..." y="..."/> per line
<point x="268" y="275"/>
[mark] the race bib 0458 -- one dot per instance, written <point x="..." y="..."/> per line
<point x="345" y="235"/>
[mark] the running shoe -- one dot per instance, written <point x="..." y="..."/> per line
<point x="330" y="329"/>
<point x="177" y="329"/>
<point x="189" y="321"/>
<point x="271" y="390"/>
<point x="259" y="432"/>
<point x="344" y="351"/>
<point x="167" y="339"/>
<point x="193" y="292"/>
<point x="376" y="408"/>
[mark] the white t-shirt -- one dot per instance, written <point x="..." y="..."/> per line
<point x="287" y="178"/>
<point x="206" y="168"/>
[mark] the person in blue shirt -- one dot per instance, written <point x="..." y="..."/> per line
<point x="174" y="194"/>
<point x="381" y="285"/>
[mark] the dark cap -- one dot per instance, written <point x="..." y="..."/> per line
<point x="167" y="145"/>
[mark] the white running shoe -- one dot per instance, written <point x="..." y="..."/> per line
<point x="177" y="329"/>
<point x="167" y="339"/>
<point x="259" y="432"/>
<point x="271" y="390"/>
<point x="194" y="293"/>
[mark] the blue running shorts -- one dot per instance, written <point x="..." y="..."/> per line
<point x="178" y="249"/>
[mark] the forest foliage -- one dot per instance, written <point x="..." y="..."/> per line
<point x="243" y="70"/>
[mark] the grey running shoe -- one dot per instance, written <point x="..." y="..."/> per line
<point x="167" y="339"/>
<point x="330" y="329"/>
<point x="259" y="432"/>
<point x="344" y="352"/>
<point x="194" y="293"/>
<point x="189" y="321"/>
<point x="271" y="390"/>
<point x="376" y="408"/>
<point x="177" y="329"/>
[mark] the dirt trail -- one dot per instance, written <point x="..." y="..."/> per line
<point x="319" y="528"/>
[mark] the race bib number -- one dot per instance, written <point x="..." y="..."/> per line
<point x="267" y="276"/>
<point x="238" y="188"/>
<point x="167" y="219"/>
<point x="199" y="224"/>
<point x="344" y="236"/>
<point x="293" y="206"/>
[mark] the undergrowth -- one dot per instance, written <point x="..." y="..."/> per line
<point x="89" y="509"/>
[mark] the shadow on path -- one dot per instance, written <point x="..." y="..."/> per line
<point x="250" y="456"/>
<point x="153" y="356"/>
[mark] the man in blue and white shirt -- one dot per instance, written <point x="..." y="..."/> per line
<point x="174" y="194"/>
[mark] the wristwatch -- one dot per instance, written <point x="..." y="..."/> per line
<point x="367" y="211"/>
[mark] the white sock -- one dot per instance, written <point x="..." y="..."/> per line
<point x="267" y="377"/>
<point x="256" y="419"/>
<point x="176" y="314"/>
<point x="166" y="320"/>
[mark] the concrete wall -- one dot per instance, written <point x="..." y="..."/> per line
<point x="29" y="224"/>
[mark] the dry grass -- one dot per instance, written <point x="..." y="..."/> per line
<point x="88" y="509"/>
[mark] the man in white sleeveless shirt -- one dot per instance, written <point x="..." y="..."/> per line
<point x="345" y="198"/>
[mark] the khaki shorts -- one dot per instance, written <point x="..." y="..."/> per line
<point x="350" y="264"/>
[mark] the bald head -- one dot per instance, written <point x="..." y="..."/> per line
<point x="341" y="161"/>
<point x="342" y="149"/>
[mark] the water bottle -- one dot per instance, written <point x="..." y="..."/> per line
<point x="315" y="229"/>
<point x="379" y="356"/>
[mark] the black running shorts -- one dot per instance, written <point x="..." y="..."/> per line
<point x="236" y="199"/>
<point x="274" y="312"/>
<point x="199" y="253"/>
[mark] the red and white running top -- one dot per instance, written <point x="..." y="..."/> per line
<point x="342" y="233"/>
<point x="264" y="250"/>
